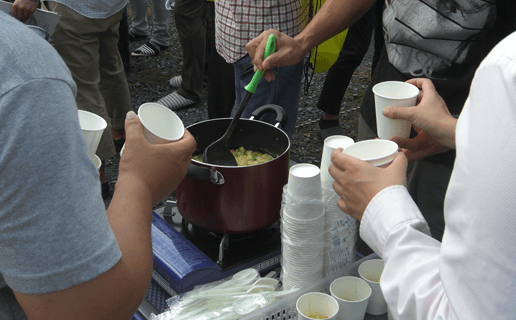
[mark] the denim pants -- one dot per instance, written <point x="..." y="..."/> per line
<point x="283" y="91"/>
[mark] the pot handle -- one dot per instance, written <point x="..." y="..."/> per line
<point x="281" y="114"/>
<point x="205" y="174"/>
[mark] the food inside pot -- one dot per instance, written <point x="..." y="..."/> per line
<point x="244" y="157"/>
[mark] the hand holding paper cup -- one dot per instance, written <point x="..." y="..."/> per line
<point x="378" y="152"/>
<point x="393" y="94"/>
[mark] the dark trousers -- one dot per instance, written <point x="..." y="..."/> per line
<point x="123" y="42"/>
<point x="350" y="57"/>
<point x="221" y="75"/>
<point x="188" y="17"/>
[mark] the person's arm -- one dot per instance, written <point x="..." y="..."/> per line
<point x="431" y="119"/>
<point x="333" y="17"/>
<point x="24" y="9"/>
<point x="147" y="174"/>
<point x="426" y="279"/>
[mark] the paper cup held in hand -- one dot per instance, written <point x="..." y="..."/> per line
<point x="92" y="127"/>
<point x="331" y="143"/>
<point x="96" y="161"/>
<point x="317" y="305"/>
<point x="371" y="272"/>
<point x="377" y="152"/>
<point x="161" y="125"/>
<point x="393" y="94"/>
<point x="304" y="181"/>
<point x="352" y="294"/>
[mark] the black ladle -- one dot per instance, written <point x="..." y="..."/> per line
<point x="218" y="152"/>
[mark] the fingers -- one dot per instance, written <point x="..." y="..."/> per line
<point x="133" y="126"/>
<point x="23" y="10"/>
<point x="256" y="48"/>
<point x="187" y="142"/>
<point x="269" y="75"/>
<point x="399" y="164"/>
<point x="403" y="143"/>
<point x="403" y="113"/>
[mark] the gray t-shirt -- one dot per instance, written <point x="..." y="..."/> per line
<point x="54" y="232"/>
<point x="94" y="9"/>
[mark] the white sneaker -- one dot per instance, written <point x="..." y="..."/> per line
<point x="176" y="81"/>
<point x="175" y="101"/>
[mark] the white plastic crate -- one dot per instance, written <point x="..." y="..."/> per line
<point x="285" y="308"/>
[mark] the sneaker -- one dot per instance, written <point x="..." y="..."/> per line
<point x="176" y="81"/>
<point x="133" y="36"/>
<point x="149" y="49"/>
<point x="175" y="101"/>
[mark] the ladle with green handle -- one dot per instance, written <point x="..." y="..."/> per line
<point x="218" y="152"/>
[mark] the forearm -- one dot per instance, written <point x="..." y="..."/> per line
<point x="130" y="217"/>
<point x="447" y="135"/>
<point x="334" y="17"/>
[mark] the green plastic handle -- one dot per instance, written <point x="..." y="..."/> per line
<point x="269" y="48"/>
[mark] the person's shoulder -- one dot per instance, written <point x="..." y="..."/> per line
<point x="27" y="56"/>
<point x="505" y="48"/>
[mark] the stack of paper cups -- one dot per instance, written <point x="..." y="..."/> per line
<point x="331" y="143"/>
<point x="340" y="228"/>
<point x="340" y="235"/>
<point x="302" y="227"/>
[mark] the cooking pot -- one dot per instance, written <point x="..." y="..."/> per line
<point x="229" y="199"/>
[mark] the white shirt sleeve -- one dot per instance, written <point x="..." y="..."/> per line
<point x="472" y="274"/>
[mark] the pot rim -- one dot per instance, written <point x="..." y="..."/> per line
<point x="243" y="167"/>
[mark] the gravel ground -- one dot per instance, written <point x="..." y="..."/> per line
<point x="149" y="78"/>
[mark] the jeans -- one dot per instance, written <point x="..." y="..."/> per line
<point x="283" y="91"/>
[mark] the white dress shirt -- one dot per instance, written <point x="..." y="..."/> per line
<point x="472" y="273"/>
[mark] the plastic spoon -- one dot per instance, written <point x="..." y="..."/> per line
<point x="218" y="152"/>
<point x="250" y="303"/>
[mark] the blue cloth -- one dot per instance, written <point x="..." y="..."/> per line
<point x="283" y="91"/>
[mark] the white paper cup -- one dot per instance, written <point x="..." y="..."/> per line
<point x="161" y="125"/>
<point x="371" y="272"/>
<point x="377" y="152"/>
<point x="352" y="294"/>
<point x="96" y="161"/>
<point x="331" y="143"/>
<point x="92" y="127"/>
<point x="304" y="181"/>
<point x="316" y="303"/>
<point x="393" y="94"/>
<point x="306" y="210"/>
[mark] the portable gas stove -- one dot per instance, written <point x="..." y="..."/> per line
<point x="186" y="256"/>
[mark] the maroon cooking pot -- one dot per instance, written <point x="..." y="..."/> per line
<point x="229" y="199"/>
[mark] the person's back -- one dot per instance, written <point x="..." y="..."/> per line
<point x="62" y="254"/>
<point x="30" y="70"/>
